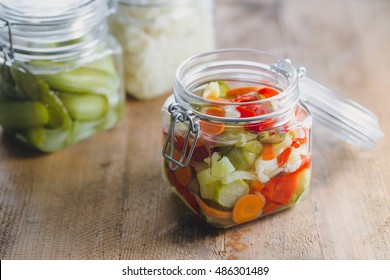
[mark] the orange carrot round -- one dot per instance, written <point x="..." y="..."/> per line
<point x="257" y="186"/>
<point x="241" y="91"/>
<point x="210" y="211"/>
<point x="212" y="98"/>
<point x="215" y="111"/>
<point x="211" y="128"/>
<point x="247" y="208"/>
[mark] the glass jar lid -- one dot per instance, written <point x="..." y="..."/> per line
<point x="46" y="29"/>
<point x="342" y="117"/>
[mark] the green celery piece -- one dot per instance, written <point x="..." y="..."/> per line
<point x="84" y="80"/>
<point x="244" y="158"/>
<point x="205" y="177"/>
<point x="271" y="137"/>
<point x="84" y="107"/>
<point x="23" y="114"/>
<point x="208" y="191"/>
<point x="59" y="116"/>
<point x="222" y="167"/>
<point x="254" y="147"/>
<point x="250" y="158"/>
<point x="223" y="87"/>
<point x="238" y="160"/>
<point x="227" y="195"/>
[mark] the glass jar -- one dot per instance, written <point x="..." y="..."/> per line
<point x="61" y="73"/>
<point x="237" y="133"/>
<point x="156" y="36"/>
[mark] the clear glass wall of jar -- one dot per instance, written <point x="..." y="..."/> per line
<point x="157" y="35"/>
<point x="237" y="140"/>
<point x="61" y="71"/>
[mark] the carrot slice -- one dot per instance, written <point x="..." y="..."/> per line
<point x="241" y="91"/>
<point x="212" y="98"/>
<point x="183" y="192"/>
<point x="215" y="111"/>
<point x="268" y="152"/>
<point x="211" y="127"/>
<point x="247" y="208"/>
<point x="259" y="194"/>
<point x="210" y="211"/>
<point x="257" y="186"/>
<point x="268" y="92"/>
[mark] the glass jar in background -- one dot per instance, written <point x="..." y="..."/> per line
<point x="61" y="71"/>
<point x="237" y="133"/>
<point x="156" y="36"/>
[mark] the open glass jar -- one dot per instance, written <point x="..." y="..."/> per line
<point x="61" y="78"/>
<point x="237" y="133"/>
<point x="157" y="35"/>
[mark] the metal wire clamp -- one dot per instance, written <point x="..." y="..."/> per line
<point x="179" y="114"/>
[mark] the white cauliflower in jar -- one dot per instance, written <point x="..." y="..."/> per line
<point x="156" y="39"/>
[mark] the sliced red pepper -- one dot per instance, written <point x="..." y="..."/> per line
<point x="245" y="98"/>
<point x="283" y="157"/>
<point x="201" y="150"/>
<point x="252" y="110"/>
<point x="281" y="189"/>
<point x="260" y="126"/>
<point x="270" y="207"/>
<point x="268" y="92"/>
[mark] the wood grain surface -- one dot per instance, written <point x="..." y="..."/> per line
<point x="105" y="199"/>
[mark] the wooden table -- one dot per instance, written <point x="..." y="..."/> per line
<point x="104" y="198"/>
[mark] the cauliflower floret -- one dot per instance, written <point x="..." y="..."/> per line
<point x="267" y="169"/>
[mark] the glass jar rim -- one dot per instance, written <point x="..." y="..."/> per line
<point x="288" y="96"/>
<point x="60" y="33"/>
<point x="154" y="3"/>
<point x="68" y="12"/>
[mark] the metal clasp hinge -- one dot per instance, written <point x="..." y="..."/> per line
<point x="8" y="51"/>
<point x="180" y="115"/>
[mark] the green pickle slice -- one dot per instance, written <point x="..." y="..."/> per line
<point x="51" y="112"/>
<point x="21" y="114"/>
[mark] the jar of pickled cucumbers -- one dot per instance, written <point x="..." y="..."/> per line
<point x="156" y="36"/>
<point x="61" y="78"/>
<point x="237" y="133"/>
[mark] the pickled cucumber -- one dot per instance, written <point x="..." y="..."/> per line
<point x="83" y="80"/>
<point x="23" y="114"/>
<point x="53" y="111"/>
<point x="244" y="158"/>
<point x="222" y="167"/>
<point x="227" y="195"/>
<point x="84" y="107"/>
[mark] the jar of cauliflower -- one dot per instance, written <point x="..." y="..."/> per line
<point x="237" y="133"/>
<point x="156" y="36"/>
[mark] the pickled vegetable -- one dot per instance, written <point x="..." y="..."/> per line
<point x="250" y="170"/>
<point x="52" y="111"/>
